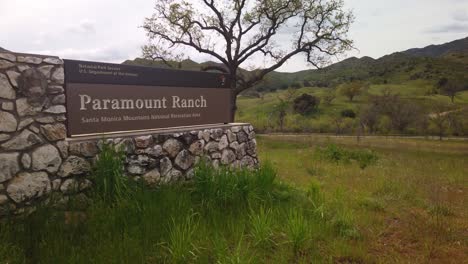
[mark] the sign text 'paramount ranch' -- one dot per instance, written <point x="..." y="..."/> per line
<point x="103" y="98"/>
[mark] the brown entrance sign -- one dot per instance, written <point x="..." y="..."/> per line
<point x="105" y="98"/>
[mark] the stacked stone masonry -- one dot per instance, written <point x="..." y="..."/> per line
<point x="37" y="159"/>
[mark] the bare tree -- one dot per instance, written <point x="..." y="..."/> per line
<point x="238" y="32"/>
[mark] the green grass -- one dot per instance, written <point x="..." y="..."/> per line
<point x="408" y="206"/>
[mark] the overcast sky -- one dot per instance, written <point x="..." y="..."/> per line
<point x="109" y="30"/>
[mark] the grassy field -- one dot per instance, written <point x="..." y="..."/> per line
<point x="260" y="111"/>
<point x="410" y="207"/>
<point x="313" y="202"/>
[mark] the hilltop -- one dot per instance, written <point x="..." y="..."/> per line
<point x="429" y="64"/>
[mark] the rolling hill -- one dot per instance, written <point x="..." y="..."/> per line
<point x="428" y="64"/>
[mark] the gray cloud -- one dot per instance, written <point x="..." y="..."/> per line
<point x="460" y="15"/>
<point x="455" y="27"/>
<point x="85" y="26"/>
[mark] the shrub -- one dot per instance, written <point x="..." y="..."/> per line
<point x="306" y="104"/>
<point x="348" y="113"/>
<point x="335" y="153"/>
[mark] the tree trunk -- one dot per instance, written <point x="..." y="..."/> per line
<point x="233" y="106"/>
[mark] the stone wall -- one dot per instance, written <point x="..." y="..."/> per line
<point x="36" y="158"/>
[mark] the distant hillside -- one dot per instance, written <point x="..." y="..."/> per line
<point x="434" y="51"/>
<point x="430" y="64"/>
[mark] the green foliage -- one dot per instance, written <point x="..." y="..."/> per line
<point x="351" y="89"/>
<point x="226" y="187"/>
<point x="110" y="183"/>
<point x="335" y="153"/>
<point x="297" y="229"/>
<point x="261" y="230"/>
<point x="348" y="113"/>
<point x="181" y="241"/>
<point x="306" y="104"/>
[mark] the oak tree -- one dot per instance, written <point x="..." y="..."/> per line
<point x="241" y="32"/>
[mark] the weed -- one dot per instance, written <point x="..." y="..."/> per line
<point x="181" y="244"/>
<point x="110" y="183"/>
<point x="334" y="153"/>
<point x="261" y="231"/>
<point x="296" y="229"/>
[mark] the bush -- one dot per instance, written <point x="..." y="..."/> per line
<point x="348" y="113"/>
<point x="334" y="153"/>
<point x="306" y="104"/>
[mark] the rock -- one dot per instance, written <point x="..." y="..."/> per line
<point x="70" y="186"/>
<point x="8" y="57"/>
<point x="165" y="166"/>
<point x="52" y="60"/>
<point x="239" y="149"/>
<point x="8" y="106"/>
<point x="126" y="145"/>
<point x="4" y="64"/>
<point x="33" y="84"/>
<point x="141" y="160"/>
<point x="60" y="118"/>
<point x="184" y="159"/>
<point x="205" y="135"/>
<point x="196" y="148"/>
<point x="247" y="162"/>
<point x="55" y="89"/>
<point x="45" y="119"/>
<point x="56" y="184"/>
<point x="6" y="90"/>
<point x="47" y="158"/>
<point x="73" y="166"/>
<point x="172" y="147"/>
<point x="24" y="123"/>
<point x="136" y="169"/>
<point x="62" y="146"/>
<point x="212" y="146"/>
<point x="236" y="129"/>
<point x="152" y="177"/>
<point x="143" y="141"/>
<point x="13" y="76"/>
<point x="46" y="70"/>
<point x="24" y="140"/>
<point x="29" y="59"/>
<point x="54" y="132"/>
<point x="8" y="122"/>
<point x="223" y="142"/>
<point x="58" y="76"/>
<point x="228" y="157"/>
<point x="242" y="137"/>
<point x="26" y="161"/>
<point x="26" y="186"/>
<point x="251" y="128"/>
<point x="246" y="129"/>
<point x="252" y="135"/>
<point x="24" y="108"/>
<point x="155" y="151"/>
<point x="56" y="109"/>
<point x="190" y="174"/>
<point x="4" y="137"/>
<point x="3" y="199"/>
<point x="58" y="99"/>
<point x="85" y="184"/>
<point x="216" y="133"/>
<point x="216" y="155"/>
<point x="34" y="129"/>
<point x="173" y="176"/>
<point x="252" y="148"/>
<point x="86" y="148"/>
<point x="231" y="136"/>
<point x="23" y="67"/>
<point x="215" y="164"/>
<point x="9" y="165"/>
